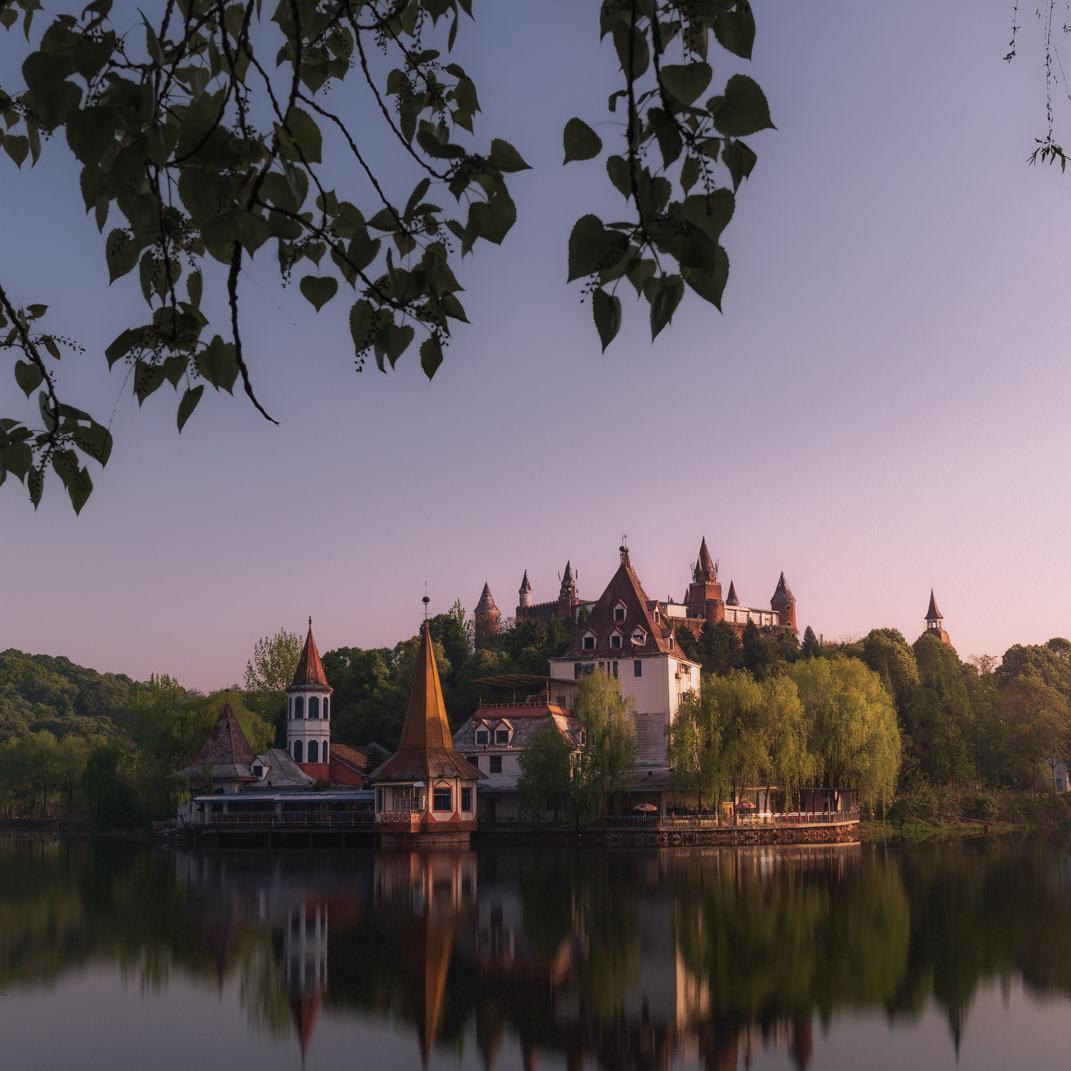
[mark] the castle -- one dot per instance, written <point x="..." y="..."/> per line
<point x="702" y="604"/>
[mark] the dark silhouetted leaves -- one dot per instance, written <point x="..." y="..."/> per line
<point x="581" y="142"/>
<point x="743" y="109"/>
<point x="606" y="309"/>
<point x="319" y="289"/>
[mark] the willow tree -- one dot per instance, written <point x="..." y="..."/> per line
<point x="202" y="129"/>
<point x="604" y="762"/>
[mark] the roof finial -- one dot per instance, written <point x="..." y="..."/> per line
<point x="425" y="600"/>
<point x="310" y="622"/>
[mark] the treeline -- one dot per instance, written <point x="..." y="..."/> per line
<point x="981" y="724"/>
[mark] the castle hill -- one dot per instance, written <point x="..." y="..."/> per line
<point x="534" y="536"/>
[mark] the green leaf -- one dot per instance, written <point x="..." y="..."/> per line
<point x="362" y="317"/>
<point x="218" y="363"/>
<point x="742" y="110"/>
<point x="16" y="458"/>
<point x="710" y="285"/>
<point x="735" y="30"/>
<point x="189" y="404"/>
<point x="95" y="441"/>
<point x="147" y="379"/>
<point x="121" y="253"/>
<point x="16" y="146"/>
<point x="319" y="289"/>
<point x="711" y="214"/>
<point x="431" y="356"/>
<point x="79" y="488"/>
<point x="618" y="170"/>
<point x="193" y="287"/>
<point x="306" y="134"/>
<point x="581" y="142"/>
<point x="505" y="157"/>
<point x="740" y="161"/>
<point x="664" y="292"/>
<point x="592" y="247"/>
<point x="35" y="483"/>
<point x="606" y="309"/>
<point x="28" y="376"/>
<point x="686" y="81"/>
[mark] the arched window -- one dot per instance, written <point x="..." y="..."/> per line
<point x="324" y="757"/>
<point x="314" y="751"/>
<point x="299" y="752"/>
<point x="299" y="706"/>
<point x="314" y="706"/>
<point x="327" y="708"/>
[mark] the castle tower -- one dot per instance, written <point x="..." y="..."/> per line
<point x="525" y="592"/>
<point x="704" y="593"/>
<point x="487" y="616"/>
<point x="732" y="599"/>
<point x="784" y="602"/>
<point x="308" y="713"/>
<point x="935" y="622"/>
<point x="568" y="600"/>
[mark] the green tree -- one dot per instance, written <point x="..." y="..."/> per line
<point x="939" y="719"/>
<point x="811" y="647"/>
<point x="275" y="658"/>
<point x="107" y="792"/>
<point x="890" y="656"/>
<point x="546" y="773"/>
<point x="201" y="134"/>
<point x="608" y="742"/>
<point x="1041" y="717"/>
<point x="719" y="648"/>
<point x="854" y="738"/>
<point x="759" y="656"/>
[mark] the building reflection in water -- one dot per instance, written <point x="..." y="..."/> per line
<point x="700" y="957"/>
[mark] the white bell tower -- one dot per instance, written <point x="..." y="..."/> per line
<point x="308" y="712"/>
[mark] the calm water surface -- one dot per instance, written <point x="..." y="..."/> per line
<point x="113" y="957"/>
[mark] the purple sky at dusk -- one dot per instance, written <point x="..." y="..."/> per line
<point x="881" y="408"/>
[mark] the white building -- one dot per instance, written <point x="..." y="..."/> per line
<point x="626" y="638"/>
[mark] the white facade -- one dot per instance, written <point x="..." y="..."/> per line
<point x="655" y="684"/>
<point x="308" y="725"/>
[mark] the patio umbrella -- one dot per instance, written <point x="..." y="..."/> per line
<point x="746" y="805"/>
<point x="645" y="808"/>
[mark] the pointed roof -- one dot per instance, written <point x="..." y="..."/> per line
<point x="932" y="613"/>
<point x="426" y="748"/>
<point x="310" y="670"/>
<point x="306" y="1010"/>
<point x="782" y="592"/>
<point x="487" y="601"/>
<point x="705" y="569"/>
<point x="568" y="583"/>
<point x="731" y="599"/>
<point x="525" y="585"/>
<point x="226" y="753"/>
<point x="624" y="587"/>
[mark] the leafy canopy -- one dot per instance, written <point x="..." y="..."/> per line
<point x="201" y="129"/>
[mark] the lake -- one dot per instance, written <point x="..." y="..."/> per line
<point x="115" y="956"/>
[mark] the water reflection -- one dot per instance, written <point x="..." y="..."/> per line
<point x="707" y="958"/>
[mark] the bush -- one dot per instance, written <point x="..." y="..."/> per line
<point x="979" y="808"/>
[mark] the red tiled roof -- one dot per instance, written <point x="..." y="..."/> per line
<point x="310" y="670"/>
<point x="487" y="601"/>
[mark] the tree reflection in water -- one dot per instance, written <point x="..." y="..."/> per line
<point x="611" y="959"/>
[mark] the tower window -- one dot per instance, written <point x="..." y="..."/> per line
<point x="466" y="800"/>
<point x="619" y="612"/>
<point x="299" y="706"/>
<point x="314" y="706"/>
<point x="299" y="751"/>
<point x="502" y="736"/>
<point x="483" y="737"/>
<point x="327" y="708"/>
<point x="314" y="751"/>
<point x="442" y="798"/>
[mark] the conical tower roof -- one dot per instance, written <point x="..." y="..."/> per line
<point x="783" y="592"/>
<point x="226" y="752"/>
<point x="310" y="670"/>
<point x="426" y="748"/>
<point x="704" y="566"/>
<point x="731" y="599"/>
<point x="525" y="585"/>
<point x="932" y="613"/>
<point x="487" y="601"/>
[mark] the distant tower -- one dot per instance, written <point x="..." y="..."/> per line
<point x="487" y="617"/>
<point x="934" y="622"/>
<point x="731" y="599"/>
<point x="568" y="600"/>
<point x="525" y="592"/>
<point x="308" y="712"/>
<point x="704" y="593"/>
<point x="784" y="602"/>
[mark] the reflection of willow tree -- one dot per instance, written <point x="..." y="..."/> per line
<point x="263" y="992"/>
<point x="793" y="940"/>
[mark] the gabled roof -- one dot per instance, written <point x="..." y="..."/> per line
<point x="933" y="614"/>
<point x="624" y="587"/>
<point x="310" y="670"/>
<point x="426" y="748"/>
<point x="226" y="753"/>
<point x="487" y="601"/>
<point x="731" y="599"/>
<point x="282" y="771"/>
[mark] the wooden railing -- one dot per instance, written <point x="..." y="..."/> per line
<point x="287" y="820"/>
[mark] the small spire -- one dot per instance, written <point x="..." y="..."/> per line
<point x="932" y="613"/>
<point x="731" y="599"/>
<point x="486" y="604"/>
<point x="525" y="585"/>
<point x="310" y="670"/>
<point x="705" y="569"/>
<point x="783" y="591"/>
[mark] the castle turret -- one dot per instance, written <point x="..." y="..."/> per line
<point x="704" y="593"/>
<point x="525" y="592"/>
<point x="487" y="617"/>
<point x="308" y="712"/>
<point x="731" y="599"/>
<point x="784" y="603"/>
<point x="935" y="622"/>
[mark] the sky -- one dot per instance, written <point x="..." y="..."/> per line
<point x="880" y="409"/>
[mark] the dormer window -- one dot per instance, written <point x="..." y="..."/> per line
<point x="483" y="737"/>
<point x="501" y="736"/>
<point x="619" y="612"/>
<point x="639" y="638"/>
<point x="588" y="641"/>
<point x="616" y="640"/>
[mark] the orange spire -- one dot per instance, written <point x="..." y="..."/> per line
<point x="933" y="614"/>
<point x="310" y="670"/>
<point x="425" y="723"/>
